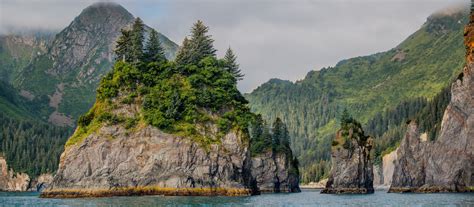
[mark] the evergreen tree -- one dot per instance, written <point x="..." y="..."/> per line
<point x="184" y="52"/>
<point x="198" y="47"/>
<point x="231" y="64"/>
<point x="137" y="38"/>
<point x="278" y="133"/>
<point x="153" y="51"/>
<point x="346" y="117"/>
<point x="123" y="49"/>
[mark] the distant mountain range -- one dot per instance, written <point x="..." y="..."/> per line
<point x="421" y="66"/>
<point x="58" y="73"/>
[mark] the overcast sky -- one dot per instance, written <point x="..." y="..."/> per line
<point x="272" y="38"/>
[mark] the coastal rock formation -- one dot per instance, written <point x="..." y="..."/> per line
<point x="149" y="157"/>
<point x="13" y="181"/>
<point x="167" y="128"/>
<point x="383" y="173"/>
<point x="273" y="173"/>
<point x="352" y="168"/>
<point x="445" y="165"/>
<point x="10" y="180"/>
<point x="41" y="182"/>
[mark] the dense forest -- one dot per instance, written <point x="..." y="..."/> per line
<point x="30" y="146"/>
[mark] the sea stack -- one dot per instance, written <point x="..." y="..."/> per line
<point x="162" y="127"/>
<point x="447" y="163"/>
<point x="352" y="167"/>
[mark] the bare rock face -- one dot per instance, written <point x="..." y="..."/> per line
<point x="11" y="181"/>
<point x="445" y="165"/>
<point x="149" y="157"/>
<point x="352" y="168"/>
<point x="273" y="173"/>
<point x="41" y="182"/>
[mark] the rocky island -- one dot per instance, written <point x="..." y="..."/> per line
<point x="180" y="127"/>
<point x="352" y="167"/>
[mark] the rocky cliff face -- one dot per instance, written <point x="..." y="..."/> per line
<point x="149" y="157"/>
<point x="352" y="168"/>
<point x="383" y="173"/>
<point x="445" y="165"/>
<point x="273" y="173"/>
<point x="11" y="181"/>
<point x="114" y="158"/>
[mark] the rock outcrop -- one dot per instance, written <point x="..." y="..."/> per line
<point x="273" y="173"/>
<point x="352" y="168"/>
<point x="14" y="181"/>
<point x="445" y="165"/>
<point x="41" y="182"/>
<point x="10" y="180"/>
<point x="149" y="157"/>
<point x="383" y="173"/>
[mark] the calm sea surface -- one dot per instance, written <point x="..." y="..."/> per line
<point x="306" y="198"/>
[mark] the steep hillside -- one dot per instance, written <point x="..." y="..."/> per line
<point x="446" y="163"/>
<point x="62" y="81"/>
<point x="420" y="67"/>
<point x="17" y="50"/>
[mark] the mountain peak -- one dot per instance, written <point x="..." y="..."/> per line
<point x="103" y="11"/>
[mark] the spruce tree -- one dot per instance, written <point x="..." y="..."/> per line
<point x="137" y="38"/>
<point x="198" y="47"/>
<point x="277" y="134"/>
<point x="201" y="42"/>
<point x="231" y="64"/>
<point x="184" y="52"/>
<point x="153" y="50"/>
<point x="123" y="49"/>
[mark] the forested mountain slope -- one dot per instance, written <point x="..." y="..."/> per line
<point x="415" y="71"/>
<point x="60" y="73"/>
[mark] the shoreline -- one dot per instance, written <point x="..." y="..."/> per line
<point x="141" y="191"/>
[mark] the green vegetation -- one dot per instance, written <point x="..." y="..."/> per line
<point x="194" y="97"/>
<point x="31" y="147"/>
<point x="419" y="68"/>
<point x="35" y="65"/>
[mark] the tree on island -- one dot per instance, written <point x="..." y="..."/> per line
<point x="231" y="64"/>
<point x="153" y="50"/>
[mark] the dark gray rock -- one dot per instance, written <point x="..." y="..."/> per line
<point x="352" y="168"/>
<point x="273" y="173"/>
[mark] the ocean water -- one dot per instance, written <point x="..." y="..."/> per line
<point x="305" y="198"/>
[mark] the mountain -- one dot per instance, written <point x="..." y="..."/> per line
<point x="17" y="50"/>
<point x="417" y="69"/>
<point x="62" y="76"/>
<point x="446" y="163"/>
<point x="172" y="128"/>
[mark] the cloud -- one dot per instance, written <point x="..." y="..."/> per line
<point x="273" y="39"/>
